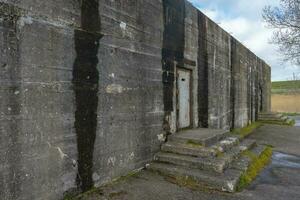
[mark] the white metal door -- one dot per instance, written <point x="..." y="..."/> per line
<point x="184" y="96"/>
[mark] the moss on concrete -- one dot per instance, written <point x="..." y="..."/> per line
<point x="98" y="191"/>
<point x="244" y="132"/>
<point x="257" y="164"/>
<point x="291" y="114"/>
<point x="194" y="144"/>
<point x="219" y="153"/>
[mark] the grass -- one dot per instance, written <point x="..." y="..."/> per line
<point x="244" y="132"/>
<point x="256" y="166"/>
<point x="286" y="85"/>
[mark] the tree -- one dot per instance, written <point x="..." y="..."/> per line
<point x="285" y="19"/>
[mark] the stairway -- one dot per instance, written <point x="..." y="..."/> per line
<point x="275" y="118"/>
<point x="209" y="157"/>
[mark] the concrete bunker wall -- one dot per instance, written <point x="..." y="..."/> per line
<point x="81" y="101"/>
<point x="87" y="90"/>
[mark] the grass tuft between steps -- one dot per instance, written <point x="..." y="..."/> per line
<point x="256" y="166"/>
<point x="244" y="132"/>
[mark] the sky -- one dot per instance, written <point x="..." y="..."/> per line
<point x="243" y="20"/>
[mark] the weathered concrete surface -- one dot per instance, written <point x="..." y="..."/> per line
<point x="283" y="138"/>
<point x="81" y="99"/>
<point x="87" y="88"/>
<point x="279" y="181"/>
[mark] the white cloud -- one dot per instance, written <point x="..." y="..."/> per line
<point x="212" y="14"/>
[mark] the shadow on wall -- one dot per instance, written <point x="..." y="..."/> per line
<point x="85" y="83"/>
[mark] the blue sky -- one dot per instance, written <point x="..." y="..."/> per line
<point x="243" y="19"/>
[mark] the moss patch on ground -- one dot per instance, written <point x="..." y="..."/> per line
<point x="244" y="132"/>
<point x="77" y="196"/>
<point x="99" y="191"/>
<point x="256" y="166"/>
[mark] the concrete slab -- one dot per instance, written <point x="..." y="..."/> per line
<point x="202" y="136"/>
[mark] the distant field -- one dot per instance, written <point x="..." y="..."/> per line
<point x="286" y="96"/>
<point x="284" y="87"/>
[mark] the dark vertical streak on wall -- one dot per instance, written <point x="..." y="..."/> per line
<point x="173" y="46"/>
<point x="202" y="71"/>
<point x="10" y="76"/>
<point x="233" y="82"/>
<point x="85" y="83"/>
<point x="248" y="91"/>
<point x="251" y="88"/>
<point x="256" y="90"/>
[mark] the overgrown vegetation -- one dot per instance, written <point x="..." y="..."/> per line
<point x="257" y="164"/>
<point x="244" y="132"/>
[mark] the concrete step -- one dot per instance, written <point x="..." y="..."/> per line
<point x="226" y="181"/>
<point x="216" y="164"/>
<point x="226" y="143"/>
<point x="201" y="136"/>
<point x="284" y="117"/>
<point x="189" y="150"/>
<point x="271" y="119"/>
<point x="244" y="161"/>
<point x="235" y="153"/>
<point x="200" y="151"/>
<point x="270" y="115"/>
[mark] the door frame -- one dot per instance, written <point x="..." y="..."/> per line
<point x="191" y="98"/>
